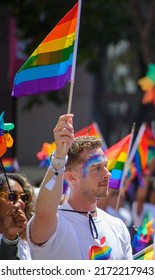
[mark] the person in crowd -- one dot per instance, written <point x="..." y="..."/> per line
<point x="109" y="203"/>
<point x="78" y="229"/>
<point x="145" y="198"/>
<point x="130" y="185"/>
<point x="16" y="208"/>
<point x="154" y="248"/>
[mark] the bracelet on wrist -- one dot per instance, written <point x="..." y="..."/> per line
<point x="57" y="172"/>
<point x="60" y="162"/>
<point x="10" y="242"/>
<point x="52" y="182"/>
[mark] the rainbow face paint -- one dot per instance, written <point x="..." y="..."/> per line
<point x="94" y="159"/>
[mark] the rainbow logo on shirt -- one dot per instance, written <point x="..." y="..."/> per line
<point x="100" y="252"/>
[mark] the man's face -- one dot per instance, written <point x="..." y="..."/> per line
<point x="93" y="176"/>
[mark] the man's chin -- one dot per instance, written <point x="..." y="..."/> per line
<point x="103" y="195"/>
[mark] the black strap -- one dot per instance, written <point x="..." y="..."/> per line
<point x="91" y="221"/>
<point x="92" y="226"/>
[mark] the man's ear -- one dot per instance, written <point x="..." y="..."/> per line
<point x="70" y="177"/>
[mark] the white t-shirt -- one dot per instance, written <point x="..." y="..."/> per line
<point x="73" y="240"/>
<point x="23" y="249"/>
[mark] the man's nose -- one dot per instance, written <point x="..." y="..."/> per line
<point x="107" y="173"/>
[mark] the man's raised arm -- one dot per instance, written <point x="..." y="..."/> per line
<point x="44" y="222"/>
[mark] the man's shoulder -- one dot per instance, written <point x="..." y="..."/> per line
<point x="108" y="217"/>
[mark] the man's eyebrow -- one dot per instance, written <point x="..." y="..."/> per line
<point x="98" y="163"/>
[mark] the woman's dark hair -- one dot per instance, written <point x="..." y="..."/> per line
<point x="26" y="186"/>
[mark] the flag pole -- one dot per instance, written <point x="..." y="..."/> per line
<point x="74" y="61"/>
<point x="74" y="57"/>
<point x="125" y="167"/>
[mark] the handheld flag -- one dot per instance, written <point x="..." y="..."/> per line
<point x="50" y="65"/>
<point x="10" y="164"/>
<point x="91" y="130"/>
<point x="139" y="153"/>
<point x="140" y="158"/>
<point x="135" y="145"/>
<point x="150" y="142"/>
<point x="117" y="156"/>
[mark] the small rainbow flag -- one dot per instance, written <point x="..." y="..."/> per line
<point x="140" y="158"/>
<point x="117" y="156"/>
<point x="91" y="130"/>
<point x="10" y="164"/>
<point x="49" y="66"/>
<point x="150" y="142"/>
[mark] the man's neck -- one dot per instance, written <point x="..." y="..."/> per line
<point x="83" y="206"/>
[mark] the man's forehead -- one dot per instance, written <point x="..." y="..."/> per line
<point x="97" y="155"/>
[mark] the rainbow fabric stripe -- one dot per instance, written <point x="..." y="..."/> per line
<point x="117" y="156"/>
<point x="49" y="66"/>
<point x="150" y="142"/>
<point x="140" y="158"/>
<point x="10" y="164"/>
<point x="145" y="254"/>
<point x="91" y="130"/>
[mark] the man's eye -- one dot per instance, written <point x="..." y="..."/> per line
<point x="99" y="167"/>
<point x="96" y="167"/>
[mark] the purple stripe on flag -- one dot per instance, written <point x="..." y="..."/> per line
<point x="114" y="183"/>
<point x="41" y="85"/>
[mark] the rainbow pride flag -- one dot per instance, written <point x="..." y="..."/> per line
<point x="150" y="142"/>
<point x="10" y="164"/>
<point x="141" y="157"/>
<point x="49" y="66"/>
<point x="145" y="254"/>
<point x="117" y="156"/>
<point x="91" y="130"/>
